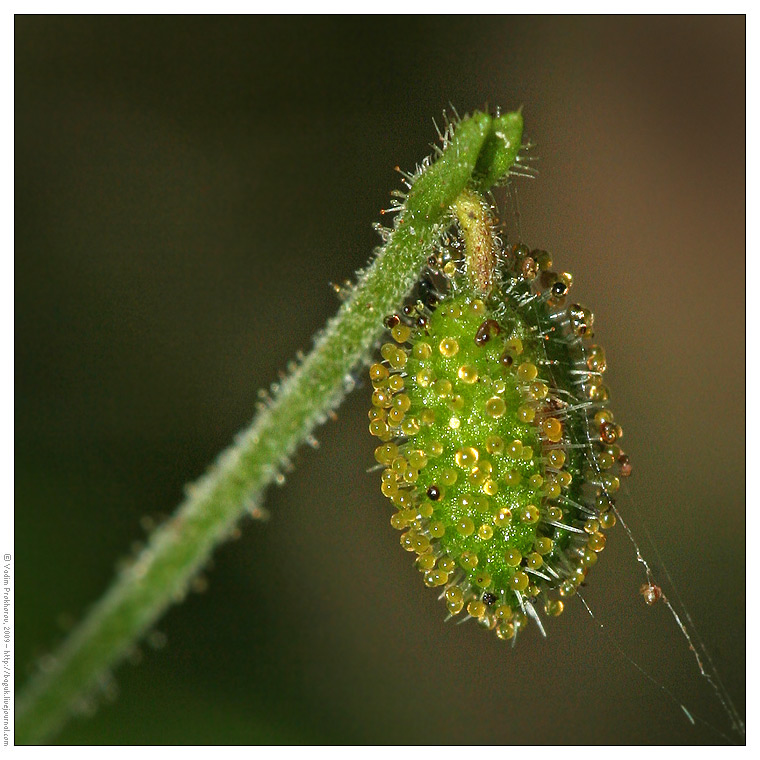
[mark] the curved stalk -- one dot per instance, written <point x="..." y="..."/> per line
<point x="236" y="481"/>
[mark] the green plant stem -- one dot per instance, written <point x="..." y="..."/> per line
<point x="178" y="549"/>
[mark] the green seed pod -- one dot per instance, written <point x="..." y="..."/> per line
<point x="497" y="443"/>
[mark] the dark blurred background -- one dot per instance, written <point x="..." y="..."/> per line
<point x="185" y="190"/>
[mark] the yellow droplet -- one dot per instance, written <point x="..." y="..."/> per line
<point x="483" y="579"/>
<point x="435" y="449"/>
<point x="495" y="407"/>
<point x="485" y="532"/>
<point x="401" y="402"/>
<point x="554" y="513"/>
<point x="398" y="359"/>
<point x="448" y="476"/>
<point x="386" y="453"/>
<point x="557" y="458"/>
<point x="526" y="413"/>
<point x="527" y="371"/>
<point x="534" y="561"/>
<point x="395" y="417"/>
<point x="401" y="333"/>
<point x="465" y="526"/>
<point x="502" y="518"/>
<point x="417" y="459"/>
<point x="519" y="581"/>
<point x="427" y="417"/>
<point x="453" y="594"/>
<point x="454" y="423"/>
<point x="426" y="510"/>
<point x="512" y="478"/>
<point x="442" y="387"/>
<point x="551" y="427"/>
<point x="513" y="557"/>
<point x="422" y="351"/>
<point x="538" y="390"/>
<point x="398" y="521"/>
<point x="481" y="503"/>
<point x="410" y="426"/>
<point x="490" y="487"/>
<point x="591" y="526"/>
<point x="467" y="374"/>
<point x="544" y="545"/>
<point x="424" y="378"/>
<point x="378" y="372"/>
<point x="529" y="514"/>
<point x="495" y="445"/>
<point x="468" y="560"/>
<point x="596" y="542"/>
<point x="381" y="398"/>
<point x="467" y="457"/>
<point x="448" y="347"/>
<point x="378" y="428"/>
<point x="395" y="383"/>
<point x="602" y="416"/>
<point x="389" y="489"/>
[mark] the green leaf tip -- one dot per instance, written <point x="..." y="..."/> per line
<point x="499" y="150"/>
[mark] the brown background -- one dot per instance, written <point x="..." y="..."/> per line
<point x="186" y="188"/>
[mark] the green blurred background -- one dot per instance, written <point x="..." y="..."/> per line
<point x="185" y="190"/>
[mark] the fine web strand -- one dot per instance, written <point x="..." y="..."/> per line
<point x="692" y="718"/>
<point x="689" y="631"/>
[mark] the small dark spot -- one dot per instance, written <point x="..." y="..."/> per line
<point x="507" y="359"/>
<point x="608" y="432"/>
<point x="391" y="321"/>
<point x="489" y="598"/>
<point x="487" y="330"/>
<point x="409" y="309"/>
<point x="559" y="289"/>
<point x="434" y="493"/>
<point x="520" y="250"/>
<point x="625" y="465"/>
<point x="422" y="322"/>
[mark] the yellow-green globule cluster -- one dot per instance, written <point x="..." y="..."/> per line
<point x="478" y="455"/>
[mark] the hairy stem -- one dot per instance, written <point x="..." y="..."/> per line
<point x="479" y="150"/>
